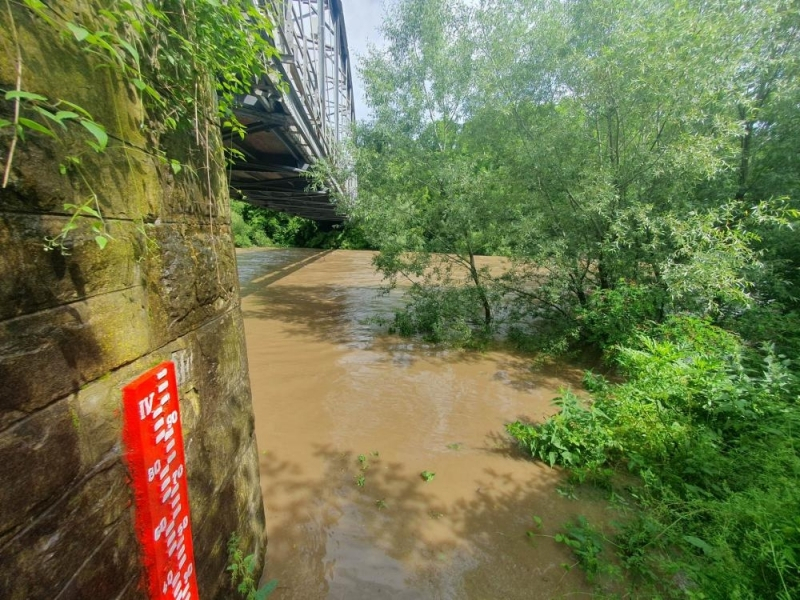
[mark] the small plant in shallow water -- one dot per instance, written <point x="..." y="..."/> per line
<point x="587" y="545"/>
<point x="242" y="570"/>
<point x="427" y="475"/>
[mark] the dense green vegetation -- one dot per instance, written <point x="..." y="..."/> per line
<point x="256" y="226"/>
<point x="638" y="163"/>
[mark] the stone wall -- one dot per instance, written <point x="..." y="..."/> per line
<point x="76" y="326"/>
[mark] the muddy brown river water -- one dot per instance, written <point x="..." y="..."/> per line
<point x="347" y="418"/>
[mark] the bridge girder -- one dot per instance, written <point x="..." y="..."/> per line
<point x="289" y="127"/>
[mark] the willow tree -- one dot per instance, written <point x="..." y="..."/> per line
<point x="602" y="143"/>
<point x="624" y="121"/>
<point x="424" y="196"/>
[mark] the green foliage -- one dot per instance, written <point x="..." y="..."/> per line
<point x="577" y="436"/>
<point x="427" y="476"/>
<point x="424" y="199"/>
<point x="257" y="226"/>
<point x="242" y="569"/>
<point x="178" y="58"/>
<point x="710" y="427"/>
<point x="597" y="160"/>
<point x="586" y="544"/>
<point x="613" y="316"/>
<point x="449" y="314"/>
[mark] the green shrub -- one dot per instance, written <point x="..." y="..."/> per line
<point x="577" y="436"/>
<point x="710" y="426"/>
<point x="613" y="316"/>
<point x="446" y="315"/>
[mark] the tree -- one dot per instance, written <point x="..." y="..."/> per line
<point x="424" y="194"/>
<point x="614" y="117"/>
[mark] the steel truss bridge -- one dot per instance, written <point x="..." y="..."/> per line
<point x="292" y="125"/>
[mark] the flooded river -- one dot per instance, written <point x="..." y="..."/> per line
<point x="347" y="419"/>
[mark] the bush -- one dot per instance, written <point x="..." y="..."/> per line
<point x="613" y="316"/>
<point x="710" y="427"/>
<point x="448" y="315"/>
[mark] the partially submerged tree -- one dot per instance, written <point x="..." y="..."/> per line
<point x="423" y="194"/>
<point x="601" y="144"/>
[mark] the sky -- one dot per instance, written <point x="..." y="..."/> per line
<point x="363" y="19"/>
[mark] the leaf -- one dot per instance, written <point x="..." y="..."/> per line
<point x="4" y="123"/>
<point x="175" y="165"/>
<point x="101" y="241"/>
<point x="47" y="114"/>
<point x="22" y="95"/>
<point x="90" y="211"/>
<point x="698" y="543"/>
<point x="266" y="589"/>
<point x="66" y="114"/>
<point x="35" y="126"/>
<point x="131" y="50"/>
<point x="80" y="33"/>
<point x="98" y="132"/>
<point x="76" y="107"/>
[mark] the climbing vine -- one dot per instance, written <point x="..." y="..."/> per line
<point x="179" y="57"/>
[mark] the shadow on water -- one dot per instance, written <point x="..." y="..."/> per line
<point x="400" y="537"/>
<point x="258" y="268"/>
<point x="357" y="317"/>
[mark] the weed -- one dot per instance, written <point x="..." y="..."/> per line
<point x="360" y="480"/>
<point x="380" y="504"/>
<point x="567" y="491"/>
<point x="587" y="545"/>
<point x="708" y="426"/>
<point x="242" y="570"/>
<point x="455" y="446"/>
<point x="427" y="475"/>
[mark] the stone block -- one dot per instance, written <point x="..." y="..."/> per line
<point x="106" y="573"/>
<point x="39" y="460"/>
<point x="191" y="279"/>
<point x="44" y="557"/>
<point x="243" y="515"/>
<point x="49" y="354"/>
<point x="33" y="279"/>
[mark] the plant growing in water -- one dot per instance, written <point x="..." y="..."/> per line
<point x="242" y="570"/>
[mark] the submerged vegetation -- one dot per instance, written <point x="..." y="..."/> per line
<point x="637" y="164"/>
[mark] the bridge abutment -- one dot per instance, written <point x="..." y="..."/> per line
<point x="79" y="322"/>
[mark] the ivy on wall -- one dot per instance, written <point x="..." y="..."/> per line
<point x="170" y="53"/>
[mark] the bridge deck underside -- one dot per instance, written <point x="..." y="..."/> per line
<point x="290" y="126"/>
<point x="271" y="173"/>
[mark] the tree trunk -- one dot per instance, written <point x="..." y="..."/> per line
<point x="473" y="271"/>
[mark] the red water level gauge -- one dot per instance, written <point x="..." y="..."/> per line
<point x="154" y="452"/>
